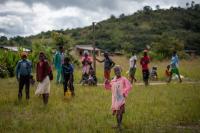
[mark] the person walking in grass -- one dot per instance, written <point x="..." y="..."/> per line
<point x="144" y="62"/>
<point x="43" y="71"/>
<point x="132" y="69"/>
<point x="68" y="78"/>
<point x="120" y="87"/>
<point x="174" y="67"/>
<point x="23" y="73"/>
<point x="58" y="61"/>
<point x="108" y="65"/>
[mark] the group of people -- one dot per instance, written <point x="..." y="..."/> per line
<point x="120" y="86"/>
<point x="147" y="74"/>
<point x="44" y="75"/>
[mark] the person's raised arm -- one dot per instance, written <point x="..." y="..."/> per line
<point x="100" y="60"/>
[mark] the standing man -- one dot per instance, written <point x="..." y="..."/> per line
<point x="108" y="65"/>
<point x="132" y="68"/>
<point x="174" y="67"/>
<point x="23" y="72"/>
<point x="58" y="61"/>
<point x="145" y="69"/>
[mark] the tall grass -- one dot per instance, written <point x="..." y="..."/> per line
<point x="164" y="108"/>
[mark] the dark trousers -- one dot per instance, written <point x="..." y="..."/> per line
<point x="145" y="74"/>
<point x="68" y="82"/>
<point x="24" y="80"/>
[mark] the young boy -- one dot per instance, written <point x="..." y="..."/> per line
<point x="132" y="69"/>
<point x="153" y="74"/>
<point x="174" y="67"/>
<point x="167" y="71"/>
<point x="120" y="87"/>
<point x="67" y="73"/>
<point x="145" y="69"/>
<point x="23" y="72"/>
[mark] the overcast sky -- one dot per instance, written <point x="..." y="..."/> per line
<point x="29" y="17"/>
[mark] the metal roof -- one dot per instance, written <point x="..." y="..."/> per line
<point x="15" y="49"/>
<point x="86" y="47"/>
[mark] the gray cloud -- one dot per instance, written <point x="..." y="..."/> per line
<point x="26" y="17"/>
<point x="85" y="4"/>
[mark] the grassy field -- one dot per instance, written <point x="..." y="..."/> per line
<point x="170" y="108"/>
<point x="165" y="108"/>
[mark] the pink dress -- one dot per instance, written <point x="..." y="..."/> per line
<point x="86" y="66"/>
<point x="120" y="88"/>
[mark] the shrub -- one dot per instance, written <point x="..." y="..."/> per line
<point x="3" y="71"/>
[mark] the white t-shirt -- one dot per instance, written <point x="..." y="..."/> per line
<point x="131" y="61"/>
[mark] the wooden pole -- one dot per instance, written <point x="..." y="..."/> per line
<point x="94" y="50"/>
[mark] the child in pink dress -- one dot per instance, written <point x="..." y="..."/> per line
<point x="120" y="87"/>
<point x="86" y="61"/>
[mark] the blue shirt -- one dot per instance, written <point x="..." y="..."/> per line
<point x="23" y="68"/>
<point x="174" y="61"/>
<point x="67" y="69"/>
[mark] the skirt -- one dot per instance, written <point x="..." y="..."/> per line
<point x="43" y="87"/>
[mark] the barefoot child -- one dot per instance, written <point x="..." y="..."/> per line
<point x="68" y="79"/>
<point x="168" y="72"/>
<point x="120" y="87"/>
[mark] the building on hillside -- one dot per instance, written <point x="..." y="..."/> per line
<point x="79" y="49"/>
<point x="191" y="52"/>
<point x="14" y="48"/>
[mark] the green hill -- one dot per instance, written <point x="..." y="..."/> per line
<point x="161" y="29"/>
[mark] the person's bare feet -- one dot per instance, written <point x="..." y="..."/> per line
<point x="114" y="126"/>
<point x="117" y="127"/>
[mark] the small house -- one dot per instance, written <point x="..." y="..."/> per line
<point x="14" y="48"/>
<point x="79" y="49"/>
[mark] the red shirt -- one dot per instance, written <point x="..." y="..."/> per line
<point x="42" y="70"/>
<point x="144" y="62"/>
